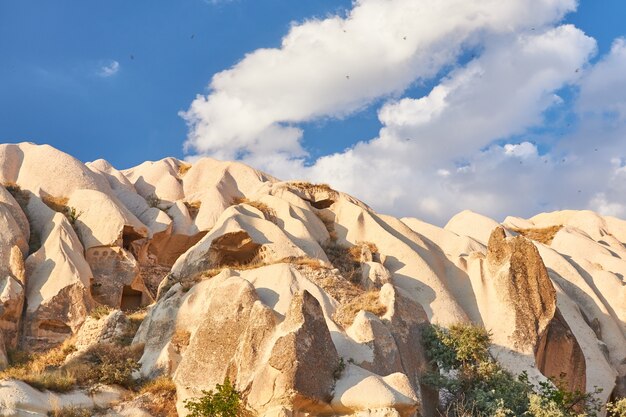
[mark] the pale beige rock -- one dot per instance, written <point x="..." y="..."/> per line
<point x="384" y="356"/>
<point x="242" y="236"/>
<point x="103" y="221"/>
<point x="474" y="225"/>
<point x="360" y="390"/>
<point x="9" y="203"/>
<point x="18" y="399"/>
<point x="106" y="329"/>
<point x="158" y="179"/>
<point x="43" y="167"/>
<point x="117" y="281"/>
<point x="57" y="288"/>
<point x="374" y="275"/>
<point x="213" y="347"/>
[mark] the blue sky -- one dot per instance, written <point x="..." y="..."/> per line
<point x="109" y="79"/>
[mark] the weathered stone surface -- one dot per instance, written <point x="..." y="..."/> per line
<point x="559" y="357"/>
<point x="521" y="279"/>
<point x="117" y="281"/>
<point x="305" y="350"/>
<point x="57" y="288"/>
<point x="209" y="357"/>
<point x="106" y="329"/>
<point x="369" y="330"/>
<point x="360" y="390"/>
<point x="374" y="275"/>
<point x="18" y="399"/>
<point x="406" y="320"/>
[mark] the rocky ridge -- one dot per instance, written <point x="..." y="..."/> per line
<point x="306" y="298"/>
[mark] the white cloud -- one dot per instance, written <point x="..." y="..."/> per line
<point x="109" y="69"/>
<point x="336" y="66"/>
<point x="463" y="145"/>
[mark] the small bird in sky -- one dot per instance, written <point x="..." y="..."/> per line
<point x="404" y="38"/>
<point x="577" y="70"/>
<point x="347" y="77"/>
<point x="596" y="149"/>
<point x="193" y="35"/>
<point x="132" y="56"/>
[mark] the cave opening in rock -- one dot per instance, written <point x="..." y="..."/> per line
<point x="234" y="249"/>
<point x="131" y="299"/>
<point x="129" y="235"/>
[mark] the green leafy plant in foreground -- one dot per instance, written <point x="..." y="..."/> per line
<point x="224" y="402"/>
<point x="472" y="383"/>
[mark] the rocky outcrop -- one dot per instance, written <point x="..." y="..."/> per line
<point x="246" y="289"/>
<point x="521" y="280"/>
<point x="307" y="349"/>
<point x="57" y="288"/>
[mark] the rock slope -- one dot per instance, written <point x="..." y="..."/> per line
<point x="306" y="298"/>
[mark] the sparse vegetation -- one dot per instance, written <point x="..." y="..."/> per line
<point x="341" y="366"/>
<point x="367" y="301"/>
<point x="72" y="412"/>
<point x="224" y="402"/>
<point x="43" y="370"/>
<point x="153" y="201"/>
<point x="23" y="197"/>
<point x="617" y="408"/>
<point x="180" y="340"/>
<point x="472" y="383"/>
<point x="348" y="259"/>
<point x="162" y="397"/>
<point x="103" y="363"/>
<point x="193" y="207"/>
<point x="183" y="168"/>
<point x="59" y="204"/>
<point x="267" y="211"/>
<point x="543" y="235"/>
<point x="308" y="187"/>
<point x="100" y="311"/>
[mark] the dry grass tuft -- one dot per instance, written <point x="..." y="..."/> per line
<point x="42" y="371"/>
<point x="193" y="207"/>
<point x="543" y="235"/>
<point x="183" y="168"/>
<point x="161" y="392"/>
<point x="180" y="339"/>
<point x="58" y="204"/>
<point x="22" y="197"/>
<point x="312" y="263"/>
<point x="104" y="363"/>
<point x="367" y="301"/>
<point x="267" y="211"/>
<point x="308" y="187"/>
<point x="72" y="411"/>
<point x="100" y="311"/>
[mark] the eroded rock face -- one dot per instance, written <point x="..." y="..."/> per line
<point x="305" y="351"/>
<point x="538" y="327"/>
<point x="105" y="329"/>
<point x="406" y="320"/>
<point x="521" y="278"/>
<point x="209" y="358"/>
<point x="559" y="356"/>
<point x="57" y="288"/>
<point x="117" y="281"/>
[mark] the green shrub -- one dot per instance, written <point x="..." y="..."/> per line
<point x="225" y="402"/>
<point x="472" y="383"/>
<point x="71" y="411"/>
<point x="617" y="408"/>
<point x="100" y="311"/>
<point x="107" y="363"/>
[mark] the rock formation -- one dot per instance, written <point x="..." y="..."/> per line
<point x="304" y="297"/>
